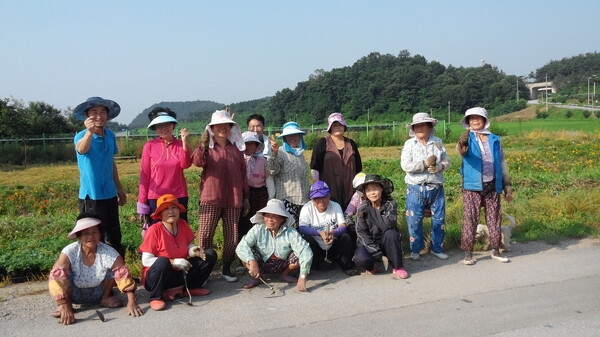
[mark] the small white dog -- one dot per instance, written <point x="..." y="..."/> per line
<point x="483" y="234"/>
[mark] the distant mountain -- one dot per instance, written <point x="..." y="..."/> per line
<point x="201" y="111"/>
<point x="186" y="111"/>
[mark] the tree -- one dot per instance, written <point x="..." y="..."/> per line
<point x="13" y="121"/>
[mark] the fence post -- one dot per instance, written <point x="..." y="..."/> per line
<point x="44" y="141"/>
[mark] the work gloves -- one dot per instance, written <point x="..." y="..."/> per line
<point x="181" y="264"/>
<point x="463" y="143"/>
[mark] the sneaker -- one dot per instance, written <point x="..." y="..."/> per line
<point x="414" y="256"/>
<point x="199" y="292"/>
<point x="440" y="255"/>
<point x="229" y="277"/>
<point x="401" y="273"/>
<point x="468" y="260"/>
<point x="499" y="257"/>
<point x="158" y="305"/>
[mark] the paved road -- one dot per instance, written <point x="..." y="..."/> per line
<point x="545" y="291"/>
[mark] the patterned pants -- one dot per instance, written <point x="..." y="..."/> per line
<point x="273" y="266"/>
<point x="209" y="216"/>
<point x="472" y="203"/>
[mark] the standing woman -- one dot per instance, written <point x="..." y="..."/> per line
<point x="424" y="159"/>
<point x="163" y="161"/>
<point x="336" y="160"/>
<point x="484" y="177"/>
<point x="224" y="189"/>
<point x="289" y="169"/>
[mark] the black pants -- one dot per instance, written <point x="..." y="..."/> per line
<point x="161" y="275"/>
<point x="391" y="247"/>
<point x="107" y="211"/>
<point x="341" y="250"/>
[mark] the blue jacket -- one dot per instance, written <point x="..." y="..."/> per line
<point x="472" y="164"/>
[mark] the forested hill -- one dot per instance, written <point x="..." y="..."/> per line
<point x="383" y="88"/>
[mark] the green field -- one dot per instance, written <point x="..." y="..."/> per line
<point x="553" y="165"/>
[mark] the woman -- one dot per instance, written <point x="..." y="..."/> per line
<point x="377" y="227"/>
<point x="165" y="251"/>
<point x="336" y="160"/>
<point x="163" y="161"/>
<point x="323" y="225"/>
<point x="87" y="270"/>
<point x="424" y="159"/>
<point x="274" y="246"/>
<point x="224" y="188"/>
<point x="484" y="177"/>
<point x="289" y="169"/>
<point x="258" y="173"/>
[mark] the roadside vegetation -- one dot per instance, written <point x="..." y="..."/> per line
<point x="555" y="173"/>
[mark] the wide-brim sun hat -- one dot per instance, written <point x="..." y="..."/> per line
<point x="251" y="136"/>
<point x="113" y="108"/>
<point x="336" y="117"/>
<point x="163" y="117"/>
<point x="478" y="111"/>
<point x="291" y="128"/>
<point x="274" y="206"/>
<point x="419" y="118"/>
<point x="386" y="184"/>
<point x="221" y="117"/>
<point x="83" y="224"/>
<point x="319" y="189"/>
<point x="359" y="178"/>
<point x="165" y="201"/>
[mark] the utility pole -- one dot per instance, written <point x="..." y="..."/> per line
<point x="546" y="93"/>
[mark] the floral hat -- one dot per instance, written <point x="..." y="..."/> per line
<point x="336" y="117"/>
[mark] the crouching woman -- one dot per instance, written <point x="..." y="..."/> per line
<point x="170" y="259"/>
<point x="273" y="246"/>
<point x="87" y="270"/>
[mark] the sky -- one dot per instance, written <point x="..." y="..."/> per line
<point x="139" y="53"/>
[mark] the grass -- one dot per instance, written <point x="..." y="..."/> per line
<point x="556" y="182"/>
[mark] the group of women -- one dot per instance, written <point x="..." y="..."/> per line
<point x="250" y="176"/>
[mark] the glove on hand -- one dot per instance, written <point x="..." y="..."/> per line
<point x="204" y="138"/>
<point x="197" y="251"/>
<point x="464" y="138"/>
<point x="181" y="264"/>
<point x="246" y="208"/>
<point x="430" y="161"/>
<point x="435" y="168"/>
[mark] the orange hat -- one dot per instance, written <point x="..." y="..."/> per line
<point x="165" y="201"/>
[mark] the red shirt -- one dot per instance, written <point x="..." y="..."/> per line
<point x="224" y="179"/>
<point x="159" y="242"/>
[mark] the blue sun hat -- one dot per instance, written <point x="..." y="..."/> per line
<point x="251" y="136"/>
<point x="161" y="117"/>
<point x="292" y="128"/>
<point x="113" y="108"/>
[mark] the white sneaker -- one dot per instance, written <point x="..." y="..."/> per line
<point x="440" y="255"/>
<point x="414" y="256"/>
<point x="500" y="257"/>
